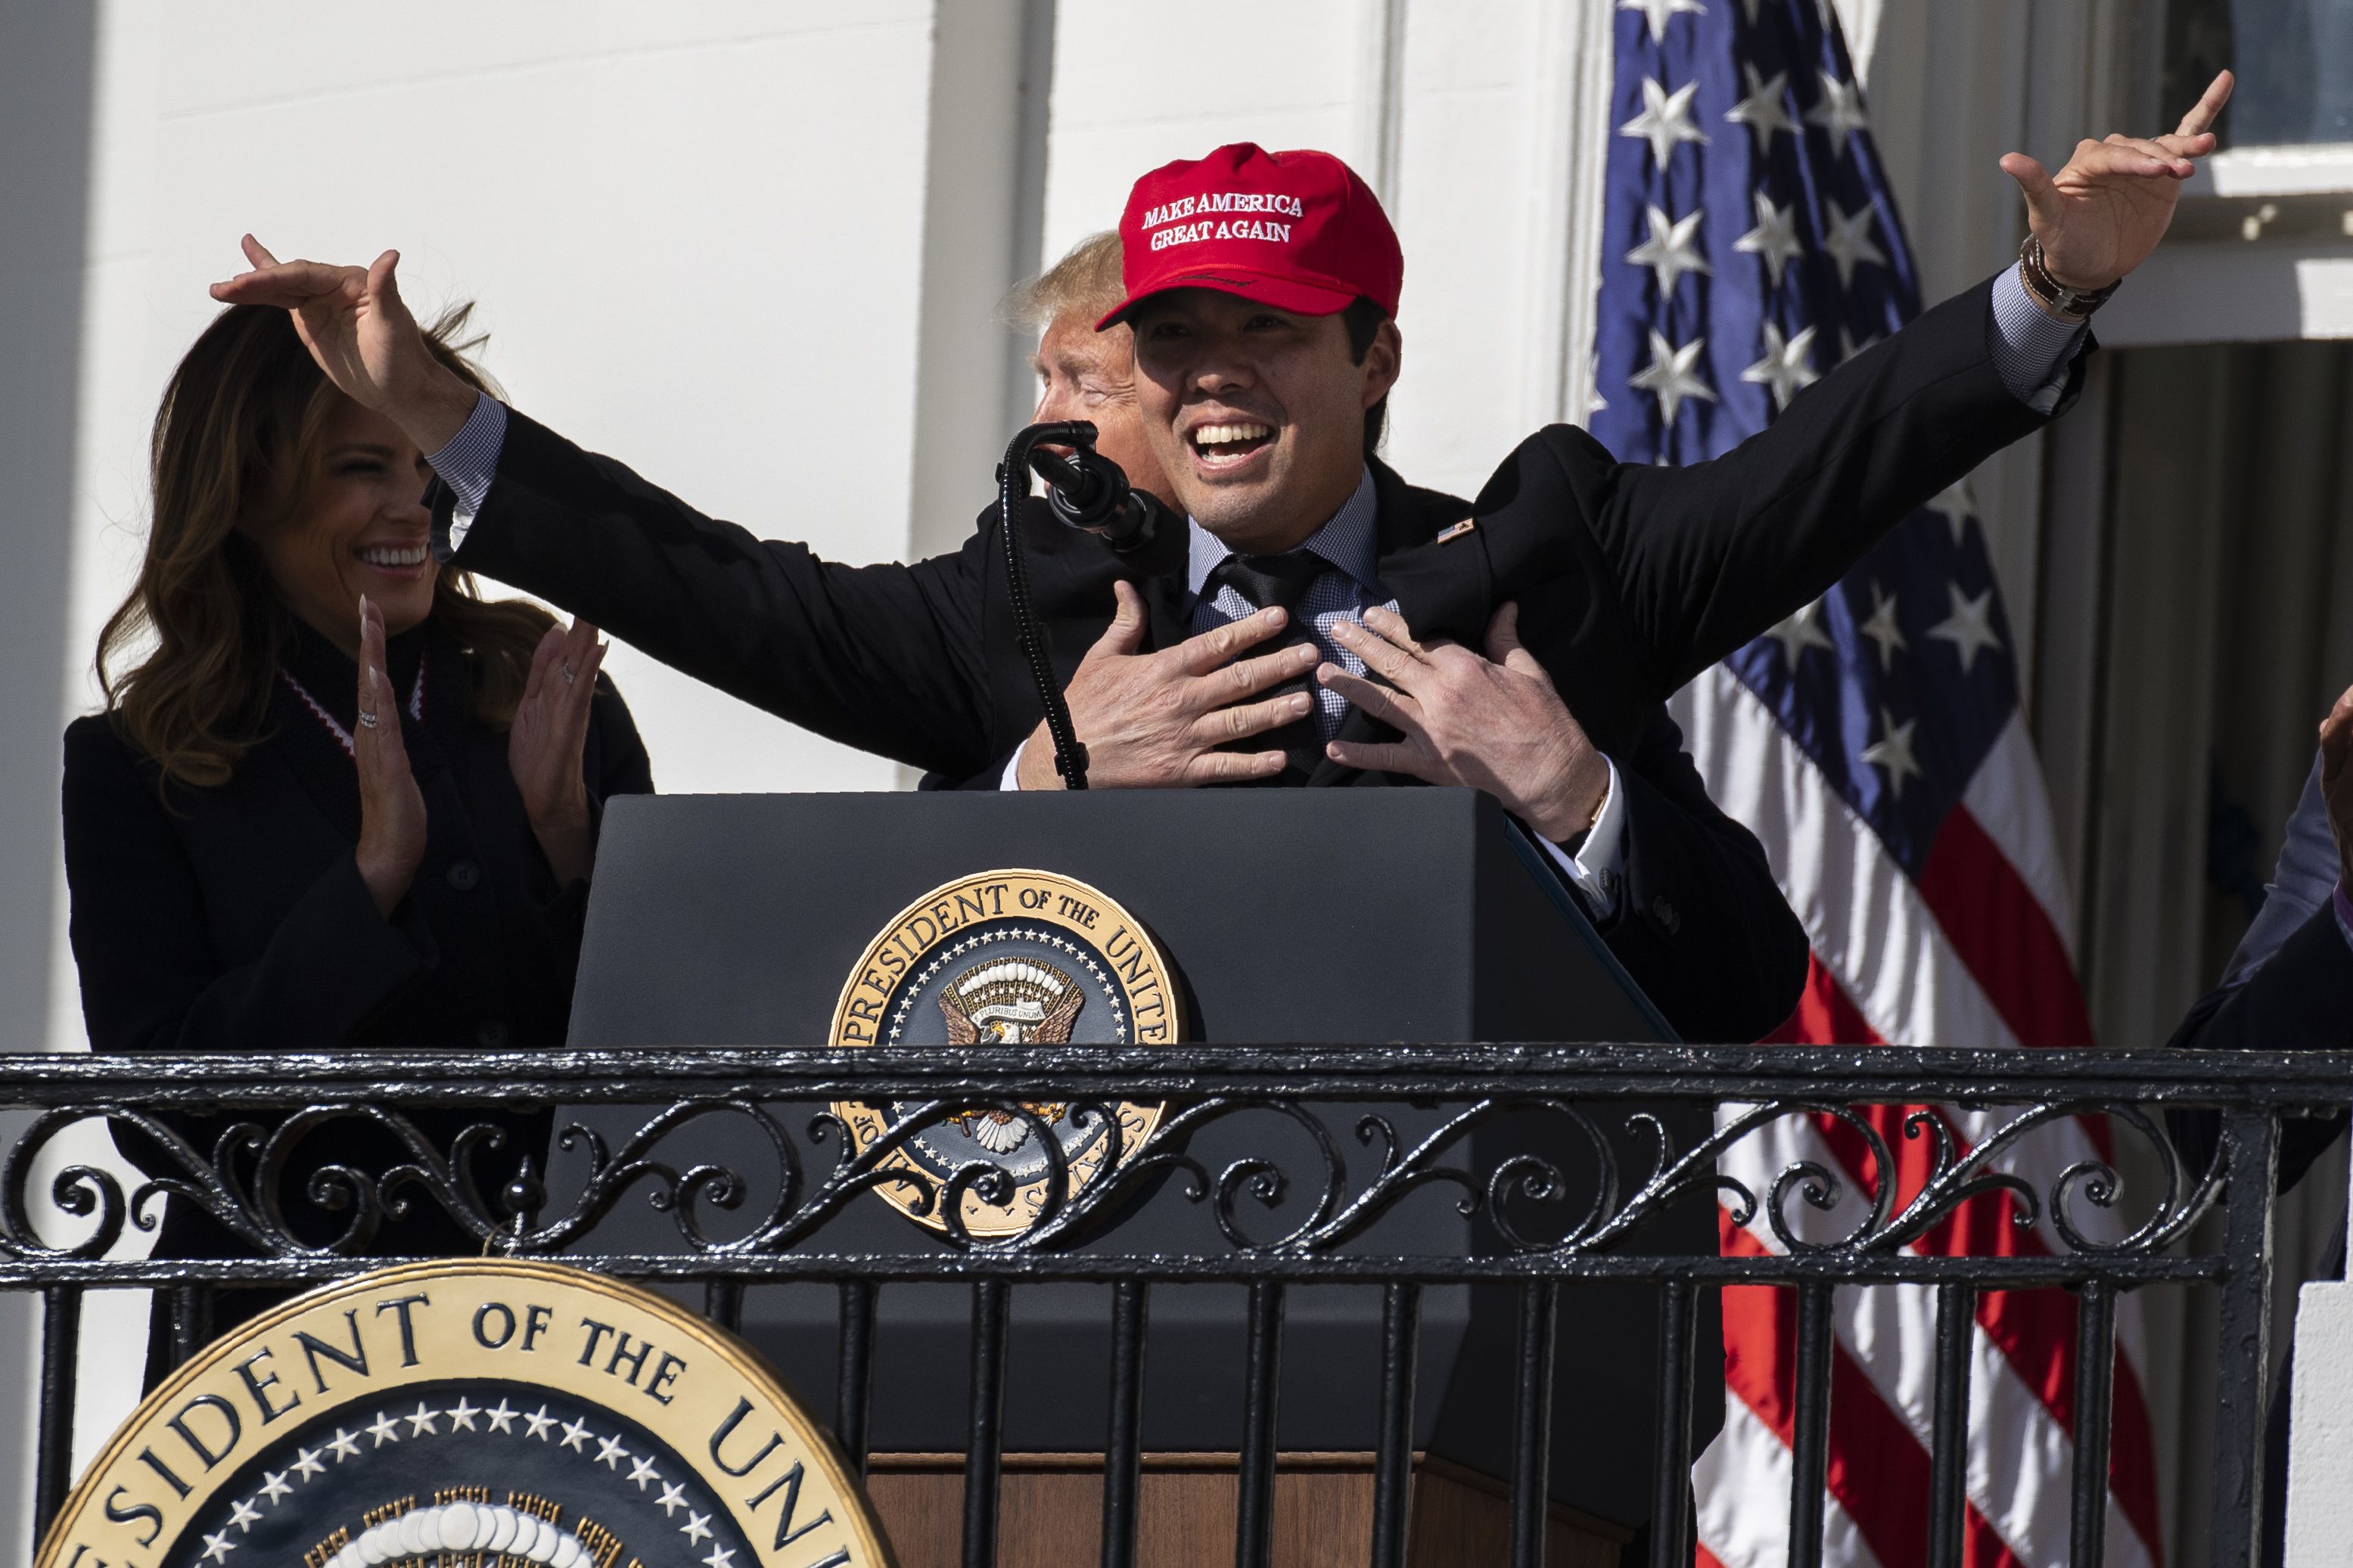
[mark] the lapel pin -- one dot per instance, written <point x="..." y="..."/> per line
<point x="1457" y="531"/>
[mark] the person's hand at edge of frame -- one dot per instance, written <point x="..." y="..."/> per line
<point x="2337" y="780"/>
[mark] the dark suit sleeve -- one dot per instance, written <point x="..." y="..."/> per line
<point x="138" y="929"/>
<point x="2289" y="987"/>
<point x="2301" y="999"/>
<point x="1700" y="924"/>
<point x="1709" y="555"/>
<point x="885" y="657"/>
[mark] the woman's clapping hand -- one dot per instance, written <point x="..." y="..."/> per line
<point x="392" y="808"/>
<point x="544" y="749"/>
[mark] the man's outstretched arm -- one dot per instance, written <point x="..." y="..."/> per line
<point x="884" y="658"/>
<point x="1709" y="555"/>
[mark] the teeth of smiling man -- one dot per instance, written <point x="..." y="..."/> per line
<point x="1228" y="434"/>
<point x="393" y="554"/>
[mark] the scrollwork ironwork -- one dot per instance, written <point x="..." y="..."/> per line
<point x="1588" y="1185"/>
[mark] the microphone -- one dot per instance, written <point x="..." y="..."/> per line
<point x="1088" y="490"/>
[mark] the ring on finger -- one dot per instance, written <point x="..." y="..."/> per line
<point x="367" y="721"/>
<point x="570" y="674"/>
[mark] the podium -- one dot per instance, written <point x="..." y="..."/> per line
<point x="1290" y="917"/>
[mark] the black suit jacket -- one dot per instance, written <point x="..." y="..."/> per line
<point x="2288" y="987"/>
<point x="1630" y="580"/>
<point x="234" y="918"/>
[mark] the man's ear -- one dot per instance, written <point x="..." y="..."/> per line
<point x="1383" y="364"/>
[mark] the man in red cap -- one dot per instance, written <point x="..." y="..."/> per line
<point x="1318" y="620"/>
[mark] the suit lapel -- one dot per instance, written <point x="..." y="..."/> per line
<point x="1442" y="589"/>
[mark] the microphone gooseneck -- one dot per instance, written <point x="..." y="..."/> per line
<point x="1087" y="490"/>
<point x="1012" y="487"/>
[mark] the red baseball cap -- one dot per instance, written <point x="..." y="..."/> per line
<point x="1297" y="230"/>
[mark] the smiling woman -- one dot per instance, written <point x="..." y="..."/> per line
<point x="337" y="799"/>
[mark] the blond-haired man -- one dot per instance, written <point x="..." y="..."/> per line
<point x="1083" y="373"/>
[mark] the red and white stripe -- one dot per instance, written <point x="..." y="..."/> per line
<point x="1974" y="953"/>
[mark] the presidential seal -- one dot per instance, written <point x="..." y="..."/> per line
<point x="488" y="1413"/>
<point x="1010" y="959"/>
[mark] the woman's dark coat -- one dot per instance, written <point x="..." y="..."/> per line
<point x="234" y="919"/>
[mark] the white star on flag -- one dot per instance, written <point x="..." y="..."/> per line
<point x="1766" y="109"/>
<point x="243" y="1514"/>
<point x="1799" y="632"/>
<point x="1775" y="238"/>
<point x="1892" y="753"/>
<point x="696" y="1528"/>
<point x="1849" y="241"/>
<point x="1838" y="111"/>
<point x="273" y="1483"/>
<point x="422" y="1422"/>
<point x="1881" y="628"/>
<point x="1956" y="506"/>
<point x="345" y="1446"/>
<point x="722" y="1557"/>
<point x="1785" y="367"/>
<point x="672" y="1497"/>
<point x="462" y="1415"/>
<point x="502" y="1416"/>
<point x="1665" y="119"/>
<point x="539" y="1421"/>
<point x="610" y="1453"/>
<point x="1660" y="12"/>
<point x="218" y="1547"/>
<point x="642" y="1470"/>
<point x="1970" y="628"/>
<point x="1671" y="378"/>
<point x="1668" y="252"/>
<point x="386" y="1430"/>
<point x="575" y="1436"/>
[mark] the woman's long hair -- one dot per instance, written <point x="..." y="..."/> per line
<point x="236" y="442"/>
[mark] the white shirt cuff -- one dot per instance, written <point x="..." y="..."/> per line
<point x="1596" y="869"/>
<point x="2032" y="348"/>
<point x="1012" y="767"/>
<point x="469" y="463"/>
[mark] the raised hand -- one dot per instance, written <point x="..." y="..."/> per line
<point x="2101" y="216"/>
<point x="355" y="324"/>
<point x="392" y="808"/>
<point x="1493" y="723"/>
<point x="544" y="748"/>
<point x="1155" y="721"/>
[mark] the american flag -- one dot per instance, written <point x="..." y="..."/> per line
<point x="1874" y="741"/>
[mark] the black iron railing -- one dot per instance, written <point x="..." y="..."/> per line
<point x="1350" y="1156"/>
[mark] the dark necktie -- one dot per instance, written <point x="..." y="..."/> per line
<point x="1267" y="581"/>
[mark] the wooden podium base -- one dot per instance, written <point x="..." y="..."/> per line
<point x="1052" y="1513"/>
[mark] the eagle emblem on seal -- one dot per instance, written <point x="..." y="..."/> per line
<point x="1011" y="964"/>
<point x="1012" y="1001"/>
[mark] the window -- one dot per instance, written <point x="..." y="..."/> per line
<point x="2294" y="59"/>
